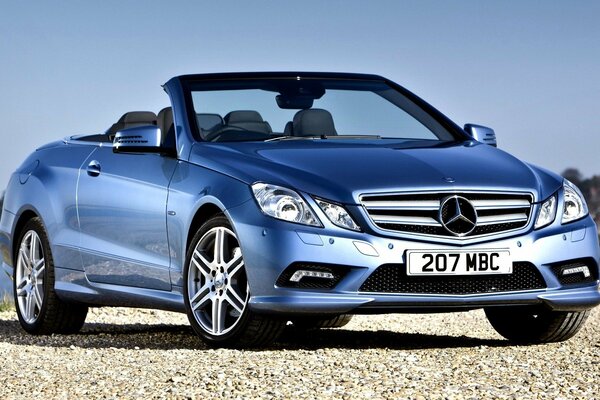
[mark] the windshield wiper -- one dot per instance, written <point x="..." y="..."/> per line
<point x="340" y="137"/>
<point x="282" y="138"/>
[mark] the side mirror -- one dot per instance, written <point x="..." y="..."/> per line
<point x="139" y="139"/>
<point x="482" y="134"/>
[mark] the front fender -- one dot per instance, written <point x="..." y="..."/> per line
<point x="191" y="188"/>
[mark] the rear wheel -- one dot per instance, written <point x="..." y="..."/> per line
<point x="39" y="310"/>
<point x="216" y="292"/>
<point x="319" y="322"/>
<point x="535" y="324"/>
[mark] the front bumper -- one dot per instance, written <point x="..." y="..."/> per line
<point x="270" y="245"/>
<point x="573" y="299"/>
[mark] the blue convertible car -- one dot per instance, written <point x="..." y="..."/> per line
<point x="260" y="199"/>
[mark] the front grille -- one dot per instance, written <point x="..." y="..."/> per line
<point x="392" y="278"/>
<point x="420" y="213"/>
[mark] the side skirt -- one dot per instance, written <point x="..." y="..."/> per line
<point x="73" y="286"/>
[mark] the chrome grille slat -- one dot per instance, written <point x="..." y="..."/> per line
<point x="418" y="213"/>
<point x="402" y="205"/>
<point x="499" y="204"/>
<point x="393" y="219"/>
<point x="501" y="219"/>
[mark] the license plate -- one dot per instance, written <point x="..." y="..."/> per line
<point x="458" y="262"/>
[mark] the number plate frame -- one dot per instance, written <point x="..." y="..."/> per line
<point x="416" y="261"/>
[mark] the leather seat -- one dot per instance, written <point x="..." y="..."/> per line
<point x="248" y="120"/>
<point x="132" y="119"/>
<point x="313" y="122"/>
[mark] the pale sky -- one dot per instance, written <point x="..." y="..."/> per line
<point x="529" y="69"/>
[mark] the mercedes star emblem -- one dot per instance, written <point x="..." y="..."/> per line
<point x="458" y="215"/>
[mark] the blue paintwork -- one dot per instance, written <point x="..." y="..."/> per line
<point x="119" y="232"/>
<point x="126" y="198"/>
<point x="331" y="169"/>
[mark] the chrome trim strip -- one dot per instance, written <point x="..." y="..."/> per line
<point x="402" y="205"/>
<point x="405" y="220"/>
<point x="501" y="219"/>
<point x="500" y="203"/>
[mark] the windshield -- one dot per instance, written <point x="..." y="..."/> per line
<point x="292" y="108"/>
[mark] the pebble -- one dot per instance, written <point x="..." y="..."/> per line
<point x="133" y="353"/>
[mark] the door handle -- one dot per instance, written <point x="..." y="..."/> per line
<point x="93" y="168"/>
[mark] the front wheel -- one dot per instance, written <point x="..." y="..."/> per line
<point x="217" y="292"/>
<point x="535" y="324"/>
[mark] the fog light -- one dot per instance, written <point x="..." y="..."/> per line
<point x="298" y="275"/>
<point x="575" y="270"/>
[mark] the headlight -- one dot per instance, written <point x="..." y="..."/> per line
<point x="337" y="215"/>
<point x="285" y="204"/>
<point x="547" y="213"/>
<point x="574" y="203"/>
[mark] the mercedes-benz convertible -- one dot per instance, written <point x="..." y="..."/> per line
<point x="260" y="200"/>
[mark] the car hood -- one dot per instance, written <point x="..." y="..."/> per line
<point x="342" y="170"/>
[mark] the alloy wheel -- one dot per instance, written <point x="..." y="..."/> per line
<point x="217" y="283"/>
<point x="29" y="277"/>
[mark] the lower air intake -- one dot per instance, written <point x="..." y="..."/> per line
<point x="392" y="278"/>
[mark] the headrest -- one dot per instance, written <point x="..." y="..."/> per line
<point x="243" y="116"/>
<point x="132" y="119"/>
<point x="165" y="118"/>
<point x="207" y="121"/>
<point x="288" y="130"/>
<point x="313" y="122"/>
<point x="138" y="117"/>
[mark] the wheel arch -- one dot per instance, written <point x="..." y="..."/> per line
<point x="25" y="216"/>
<point x="205" y="212"/>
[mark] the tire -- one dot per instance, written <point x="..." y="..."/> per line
<point x="216" y="291"/>
<point x="319" y="322"/>
<point x="535" y="324"/>
<point x="39" y="310"/>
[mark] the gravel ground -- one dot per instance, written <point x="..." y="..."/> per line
<point x="123" y="353"/>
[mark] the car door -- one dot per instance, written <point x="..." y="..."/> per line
<point x="121" y="204"/>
